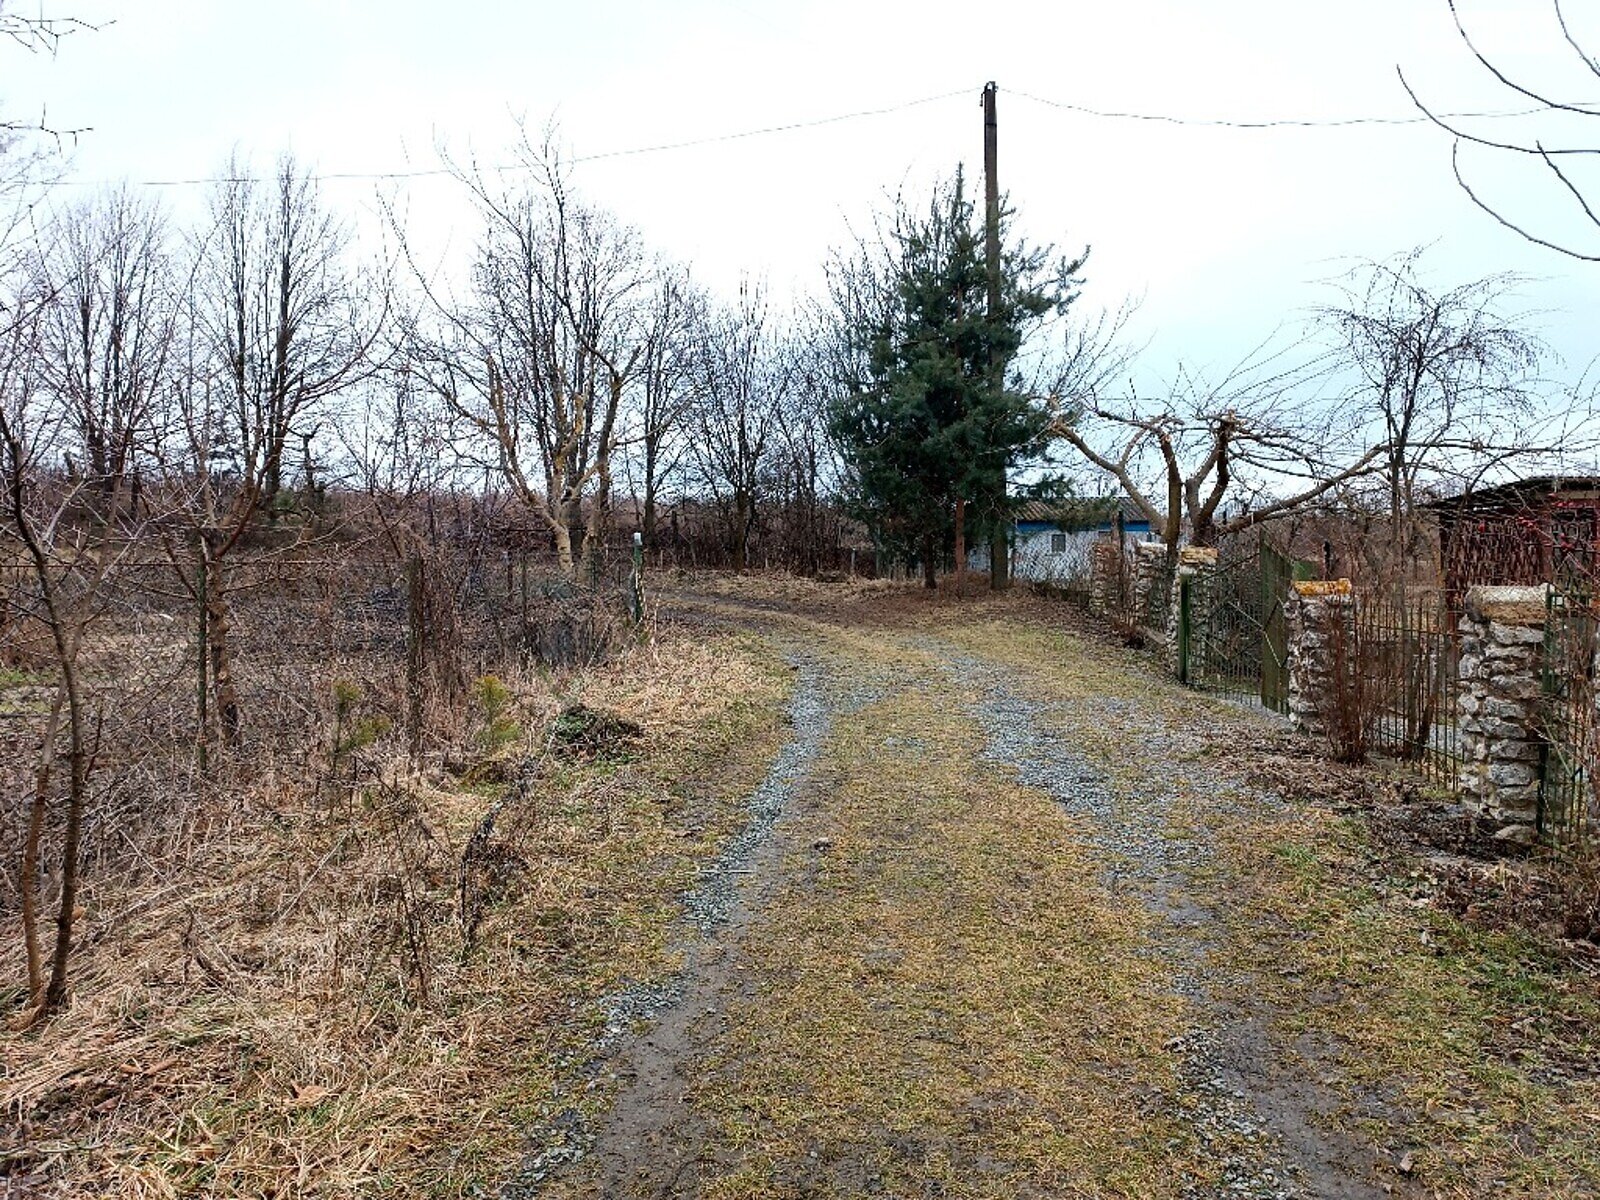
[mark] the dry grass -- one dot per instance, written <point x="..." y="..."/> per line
<point x="283" y="1005"/>
<point x="942" y="1000"/>
<point x="1465" y="1038"/>
<point x="938" y="996"/>
<point x="1484" y="1039"/>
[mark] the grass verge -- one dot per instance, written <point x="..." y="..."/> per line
<point x="289" y="1007"/>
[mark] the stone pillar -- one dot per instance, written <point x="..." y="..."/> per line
<point x="1149" y="565"/>
<point x="1497" y="701"/>
<point x="1195" y="563"/>
<point x="1105" y="563"/>
<point x="1324" y="700"/>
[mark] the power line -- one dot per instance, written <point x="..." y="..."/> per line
<point x="424" y="172"/>
<point x="839" y="118"/>
<point x="1275" y="123"/>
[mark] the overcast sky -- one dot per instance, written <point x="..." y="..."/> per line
<point x="1224" y="232"/>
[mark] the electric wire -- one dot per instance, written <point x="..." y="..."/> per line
<point x="663" y="147"/>
<point x="1274" y="123"/>
<point x="839" y="118"/>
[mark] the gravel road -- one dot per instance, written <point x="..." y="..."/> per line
<point x="1259" y="1124"/>
<point x="1261" y="1121"/>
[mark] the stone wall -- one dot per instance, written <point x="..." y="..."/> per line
<point x="1497" y="697"/>
<point x="1324" y="679"/>
<point x="1105" y="575"/>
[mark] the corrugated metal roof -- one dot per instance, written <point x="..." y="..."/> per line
<point x="1519" y="489"/>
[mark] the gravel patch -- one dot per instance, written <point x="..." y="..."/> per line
<point x="708" y="905"/>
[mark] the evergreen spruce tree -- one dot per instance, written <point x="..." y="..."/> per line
<point x="918" y="419"/>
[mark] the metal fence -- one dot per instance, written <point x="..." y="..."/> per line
<point x="1408" y="655"/>
<point x="1232" y="638"/>
<point x="1568" y="807"/>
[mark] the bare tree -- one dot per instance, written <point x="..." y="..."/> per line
<point x="1213" y="458"/>
<point x="70" y="551"/>
<point x="534" y="363"/>
<point x="808" y="464"/>
<point x="1443" y="377"/>
<point x="1562" y="159"/>
<point x="277" y="323"/>
<point x="667" y="388"/>
<point x="36" y="34"/>
<point x="746" y="387"/>
<point x="108" y="332"/>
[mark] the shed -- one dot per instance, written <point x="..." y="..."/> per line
<point x="1051" y="541"/>
<point x="1536" y="530"/>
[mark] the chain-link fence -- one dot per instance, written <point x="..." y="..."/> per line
<point x="271" y="660"/>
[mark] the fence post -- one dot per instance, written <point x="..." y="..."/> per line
<point x="1498" y="689"/>
<point x="636" y="582"/>
<point x="1323" y="669"/>
<point x="416" y="617"/>
<point x="1194" y="563"/>
<point x="1149" y="566"/>
<point x="202" y="676"/>
<point x="1102" y="567"/>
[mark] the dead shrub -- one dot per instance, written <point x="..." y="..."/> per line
<point x="1577" y="876"/>
<point x="571" y="627"/>
<point x="583" y="732"/>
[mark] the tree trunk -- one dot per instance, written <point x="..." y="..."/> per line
<point x="930" y="567"/>
<point x="647" y="524"/>
<point x="599" y="510"/>
<point x="218" y="620"/>
<point x="55" y="994"/>
<point x="563" y="540"/>
<point x="961" y="544"/>
<point x="1000" y="544"/>
<point x="572" y="518"/>
<point x="741" y="532"/>
<point x="30" y="856"/>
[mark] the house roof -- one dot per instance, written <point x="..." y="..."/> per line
<point x="1519" y="491"/>
<point x="1090" y="512"/>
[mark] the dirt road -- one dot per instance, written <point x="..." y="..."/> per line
<point x="1015" y="917"/>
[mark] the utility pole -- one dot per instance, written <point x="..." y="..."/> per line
<point x="999" y="544"/>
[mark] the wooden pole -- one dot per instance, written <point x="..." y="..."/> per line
<point x="202" y="681"/>
<point x="999" y="544"/>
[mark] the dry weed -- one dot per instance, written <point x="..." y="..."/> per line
<point x="278" y="1000"/>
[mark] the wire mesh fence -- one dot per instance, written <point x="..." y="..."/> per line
<point x="184" y="674"/>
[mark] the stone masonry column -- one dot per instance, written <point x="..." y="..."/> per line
<point x="1321" y="620"/>
<point x="1149" y="565"/>
<point x="1195" y="563"/>
<point x="1105" y="562"/>
<point x="1497" y="700"/>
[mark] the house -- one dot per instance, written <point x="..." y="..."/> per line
<point x="1051" y="542"/>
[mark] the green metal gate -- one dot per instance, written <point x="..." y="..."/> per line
<point x="1232" y="635"/>
<point x="1278" y="573"/>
